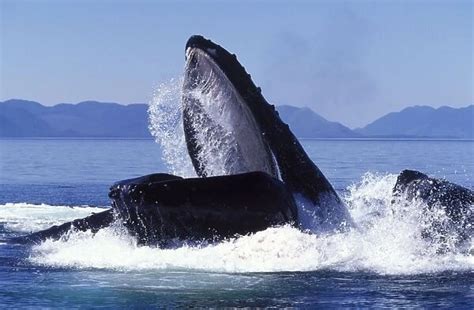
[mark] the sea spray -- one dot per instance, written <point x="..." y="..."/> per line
<point x="165" y="124"/>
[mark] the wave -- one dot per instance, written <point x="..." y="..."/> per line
<point x="27" y="218"/>
<point x="387" y="241"/>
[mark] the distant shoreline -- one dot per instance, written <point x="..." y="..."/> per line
<point x="302" y="139"/>
<point x="99" y="120"/>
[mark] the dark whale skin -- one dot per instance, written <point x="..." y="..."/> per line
<point x="210" y="208"/>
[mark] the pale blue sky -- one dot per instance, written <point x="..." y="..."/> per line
<point x="350" y="61"/>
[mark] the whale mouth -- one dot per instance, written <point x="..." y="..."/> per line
<point x="230" y="128"/>
<point x="222" y="135"/>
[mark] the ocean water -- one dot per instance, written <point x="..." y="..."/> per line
<point x="383" y="263"/>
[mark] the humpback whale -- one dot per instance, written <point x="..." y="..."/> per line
<point x="451" y="204"/>
<point x="252" y="172"/>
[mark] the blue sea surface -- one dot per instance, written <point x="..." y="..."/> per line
<point x="46" y="181"/>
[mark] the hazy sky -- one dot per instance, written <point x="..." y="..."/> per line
<point x="350" y="61"/>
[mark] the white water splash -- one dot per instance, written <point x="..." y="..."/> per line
<point x="329" y="216"/>
<point x="165" y="124"/>
<point x="387" y="242"/>
<point x="26" y="218"/>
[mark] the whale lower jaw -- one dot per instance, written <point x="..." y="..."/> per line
<point x="196" y="209"/>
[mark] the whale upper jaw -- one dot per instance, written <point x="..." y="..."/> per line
<point x="222" y="134"/>
<point x="199" y="42"/>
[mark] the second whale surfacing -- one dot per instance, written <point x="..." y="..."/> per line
<point x="447" y="208"/>
<point x="252" y="171"/>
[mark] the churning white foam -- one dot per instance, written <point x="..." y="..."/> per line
<point x="26" y="218"/>
<point x="387" y="241"/>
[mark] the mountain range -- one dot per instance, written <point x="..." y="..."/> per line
<point x="22" y="118"/>
<point x="424" y="122"/>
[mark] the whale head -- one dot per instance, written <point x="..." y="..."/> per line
<point x="230" y="128"/>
